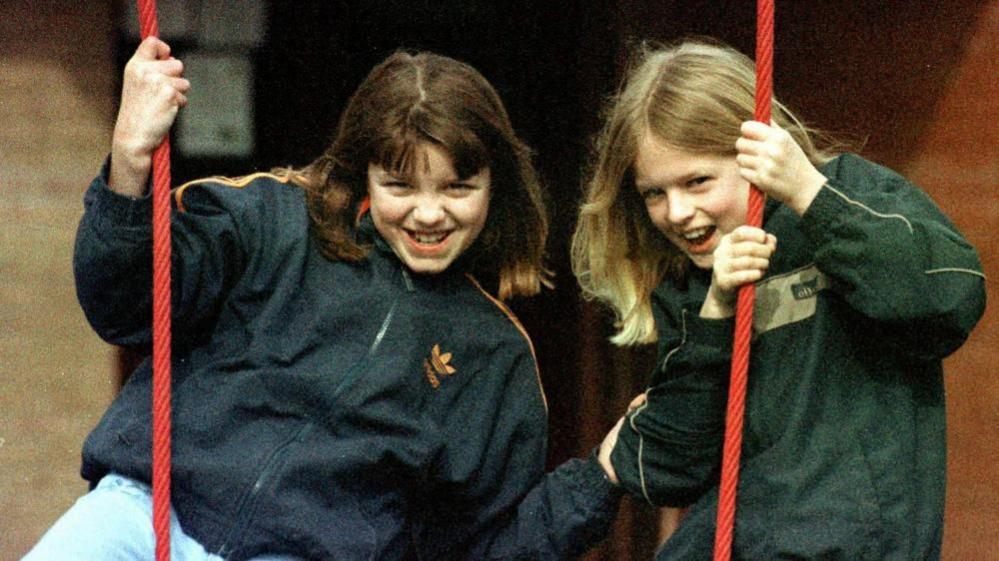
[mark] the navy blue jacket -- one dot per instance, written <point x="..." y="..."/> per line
<point x="324" y="409"/>
<point x="843" y="455"/>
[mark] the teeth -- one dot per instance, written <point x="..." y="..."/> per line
<point x="429" y="237"/>
<point x="694" y="234"/>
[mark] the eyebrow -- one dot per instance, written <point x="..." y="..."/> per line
<point x="404" y="176"/>
<point x="680" y="179"/>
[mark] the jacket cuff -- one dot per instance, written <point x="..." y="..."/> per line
<point x="825" y="213"/>
<point x="115" y="210"/>
<point x="710" y="331"/>
<point x="706" y="341"/>
<point x="592" y="478"/>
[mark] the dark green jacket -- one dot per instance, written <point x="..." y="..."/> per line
<point x="843" y="454"/>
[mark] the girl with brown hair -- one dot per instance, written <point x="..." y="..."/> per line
<point x="348" y="383"/>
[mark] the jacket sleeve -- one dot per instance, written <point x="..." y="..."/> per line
<point x="894" y="257"/>
<point x="112" y="264"/>
<point x="668" y="451"/>
<point x="565" y="514"/>
<point x="494" y="502"/>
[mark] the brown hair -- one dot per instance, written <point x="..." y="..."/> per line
<point x="412" y="98"/>
<point x="694" y="96"/>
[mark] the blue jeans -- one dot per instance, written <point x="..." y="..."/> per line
<point x="114" y="522"/>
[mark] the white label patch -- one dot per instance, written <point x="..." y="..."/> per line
<point x="787" y="298"/>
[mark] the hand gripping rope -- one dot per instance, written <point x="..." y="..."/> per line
<point x="744" y="306"/>
<point x="161" y="321"/>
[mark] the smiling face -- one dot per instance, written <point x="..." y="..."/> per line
<point x="429" y="217"/>
<point x="692" y="198"/>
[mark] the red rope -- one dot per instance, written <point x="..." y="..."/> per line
<point x="744" y="306"/>
<point x="161" y="321"/>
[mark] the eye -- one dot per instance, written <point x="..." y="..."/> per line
<point x="652" y="193"/>
<point x="460" y="189"/>
<point x="395" y="184"/>
<point x="699" y="180"/>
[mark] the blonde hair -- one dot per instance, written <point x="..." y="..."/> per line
<point x="693" y="96"/>
<point x="412" y="98"/>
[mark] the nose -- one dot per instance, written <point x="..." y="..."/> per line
<point x="428" y="210"/>
<point x="681" y="208"/>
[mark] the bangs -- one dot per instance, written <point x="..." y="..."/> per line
<point x="398" y="152"/>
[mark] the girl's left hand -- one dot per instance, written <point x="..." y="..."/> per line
<point x="742" y="257"/>
<point x="607" y="446"/>
<point x="769" y="158"/>
<point x="604" y="453"/>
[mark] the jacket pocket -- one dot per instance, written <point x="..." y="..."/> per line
<point x="821" y="505"/>
<point x="279" y="512"/>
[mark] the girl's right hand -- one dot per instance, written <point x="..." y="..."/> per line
<point x="153" y="91"/>
<point x="607" y="446"/>
<point x="742" y="256"/>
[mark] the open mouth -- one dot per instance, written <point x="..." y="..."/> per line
<point x="428" y="240"/>
<point x="697" y="240"/>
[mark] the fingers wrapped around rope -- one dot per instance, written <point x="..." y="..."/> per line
<point x="153" y="91"/>
<point x="769" y="158"/>
<point x="742" y="256"/>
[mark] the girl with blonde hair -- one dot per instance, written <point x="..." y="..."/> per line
<point x="862" y="287"/>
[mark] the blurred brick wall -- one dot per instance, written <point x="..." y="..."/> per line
<point x="957" y="161"/>
<point x="56" y="103"/>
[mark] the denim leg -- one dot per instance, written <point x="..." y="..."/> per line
<point x="113" y="523"/>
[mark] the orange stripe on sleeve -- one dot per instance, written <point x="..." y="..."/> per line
<point x="516" y="322"/>
<point x="236" y="183"/>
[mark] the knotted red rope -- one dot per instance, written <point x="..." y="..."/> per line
<point x="744" y="306"/>
<point x="161" y="321"/>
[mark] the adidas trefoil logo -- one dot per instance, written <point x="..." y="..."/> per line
<point x="437" y="366"/>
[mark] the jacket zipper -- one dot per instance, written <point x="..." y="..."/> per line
<point x="640" y="410"/>
<point x="247" y="506"/>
